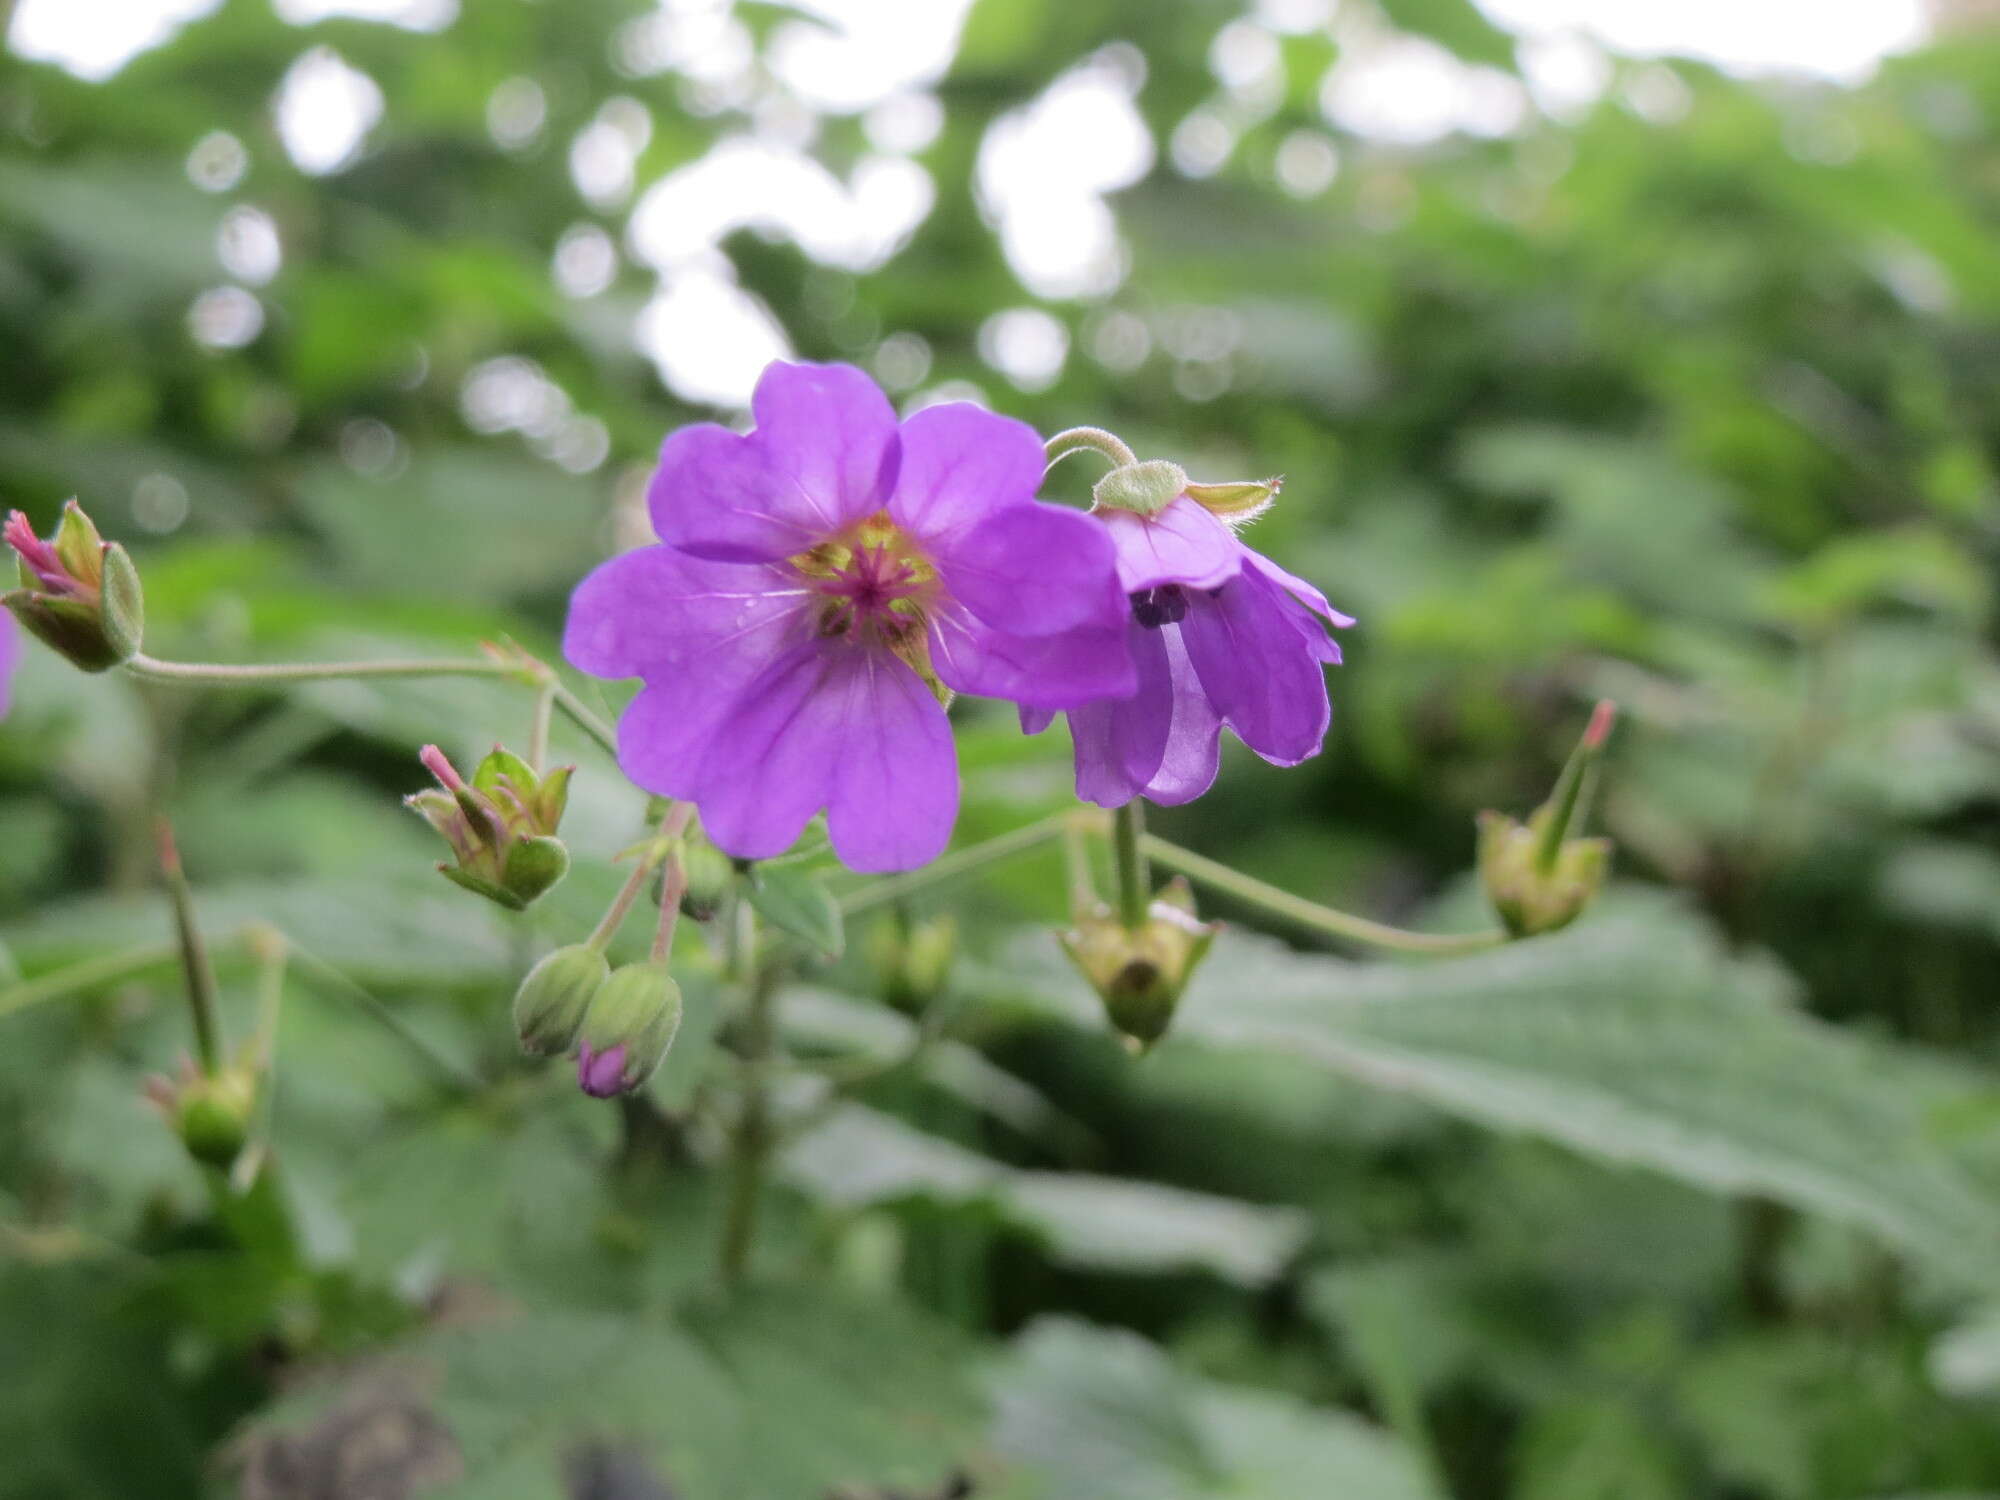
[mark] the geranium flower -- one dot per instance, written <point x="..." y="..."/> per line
<point x="1221" y="636"/>
<point x="818" y="580"/>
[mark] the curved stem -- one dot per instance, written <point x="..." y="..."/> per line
<point x="1088" y="439"/>
<point x="253" y="674"/>
<point x="1325" y="919"/>
<point x="538" y="727"/>
<point x="621" y="904"/>
<point x="673" y="880"/>
<point x="958" y="862"/>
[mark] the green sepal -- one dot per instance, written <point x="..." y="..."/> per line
<point x="78" y="545"/>
<point x="554" y="997"/>
<point x="1239" y="500"/>
<point x="534" y="865"/>
<point x="1146" y="488"/>
<point x="479" y="885"/>
<point x="638" y="1008"/>
<point x="72" y="628"/>
<point x="122" y="603"/>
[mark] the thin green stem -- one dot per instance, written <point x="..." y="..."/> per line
<point x="203" y="1007"/>
<point x="538" y="726"/>
<point x="445" y="1066"/>
<point x="751" y="1144"/>
<point x="90" y="974"/>
<point x="233" y="674"/>
<point x="1076" y="868"/>
<point x="621" y="904"/>
<point x="1088" y="440"/>
<point x="1128" y="854"/>
<point x="253" y="674"/>
<point x="673" y="877"/>
<point x="958" y="862"/>
<point x="1324" y="919"/>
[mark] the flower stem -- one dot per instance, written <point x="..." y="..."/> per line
<point x="621" y="905"/>
<point x="254" y="674"/>
<point x="1324" y="919"/>
<point x="90" y="974"/>
<point x="750" y="1147"/>
<point x="673" y="878"/>
<point x="958" y="862"/>
<point x="195" y="965"/>
<point x="1128" y="857"/>
<point x="538" y="726"/>
<point x="1091" y="439"/>
<point x="1076" y="868"/>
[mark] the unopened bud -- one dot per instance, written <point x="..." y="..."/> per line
<point x="710" y="874"/>
<point x="211" y="1113"/>
<point x="1239" y="500"/>
<point x="79" y="594"/>
<point x="1541" y="874"/>
<point x="628" y="1029"/>
<point x="550" y="1005"/>
<point x="1148" y="487"/>
<point x="1141" y="975"/>
<point x="912" y="961"/>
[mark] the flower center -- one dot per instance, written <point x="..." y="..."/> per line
<point x="1165" y="605"/>
<point x="873" y="583"/>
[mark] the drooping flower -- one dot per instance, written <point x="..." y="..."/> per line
<point x="1222" y="637"/>
<point x="818" y="579"/>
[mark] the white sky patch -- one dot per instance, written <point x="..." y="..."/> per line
<point x="1842" y="39"/>
<point x="1025" y="344"/>
<point x="1043" y="171"/>
<point x="862" y="51"/>
<point x="1411" y="91"/>
<point x="95" y="38"/>
<point x="745" y="182"/>
<point x="411" y="15"/>
<point x="709" y="338"/>
<point x="325" y="109"/>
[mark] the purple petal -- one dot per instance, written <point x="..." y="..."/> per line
<point x="600" y="1074"/>
<point x="10" y="658"/>
<point x="823" y="456"/>
<point x="1054" y="671"/>
<point x="1120" y="743"/>
<point x="1183" y="544"/>
<point x="895" y="787"/>
<point x="658" y="611"/>
<point x="1194" y="742"/>
<point x="831" y="725"/>
<point x="1034" y="569"/>
<point x="961" y="464"/>
<point x="1323" y="646"/>
<point x="1257" y="667"/>
<point x="1035" y="720"/>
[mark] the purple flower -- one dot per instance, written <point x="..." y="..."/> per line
<point x="1221" y="636"/>
<point x="600" y="1074"/>
<point x="10" y="658"/>
<point x="819" y="578"/>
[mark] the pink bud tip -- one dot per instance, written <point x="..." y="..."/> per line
<point x="1598" y="730"/>
<point x="601" y="1074"/>
<point x="435" y="762"/>
<point x="170" y="854"/>
<point x="38" y="554"/>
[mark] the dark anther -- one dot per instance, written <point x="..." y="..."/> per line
<point x="1166" y="605"/>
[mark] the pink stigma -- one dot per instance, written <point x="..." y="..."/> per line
<point x="38" y="555"/>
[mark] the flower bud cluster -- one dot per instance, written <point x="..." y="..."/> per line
<point x="79" y="594"/>
<point x="619" y="1023"/>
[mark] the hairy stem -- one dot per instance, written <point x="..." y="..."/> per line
<point x="1088" y="440"/>
<point x="673" y="877"/>
<point x="621" y="904"/>
<point x="958" y="862"/>
<point x="256" y="674"/>
<point x="1128" y="854"/>
<point x="1323" y="919"/>
<point x="538" y="727"/>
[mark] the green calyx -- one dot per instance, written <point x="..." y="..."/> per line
<point x="1141" y="974"/>
<point x="550" y="1005"/>
<point x="637" y="1009"/>
<point x="1541" y="874"/>
<point x="1145" y="488"/>
<point x="501" y="825"/>
<point x="99" y="623"/>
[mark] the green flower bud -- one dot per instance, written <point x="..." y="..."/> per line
<point x="501" y="824"/>
<point x="912" y="962"/>
<point x="550" y="1005"/>
<point x="79" y="594"/>
<point x="1140" y="976"/>
<point x="710" y="874"/>
<point x="628" y="1029"/>
<point x="211" y="1113"/>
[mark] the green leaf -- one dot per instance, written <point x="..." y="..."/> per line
<point x="774" y="1394"/>
<point x="799" y="903"/>
<point x="1097" y="1413"/>
<point x="1632" y="1038"/>
<point x="860" y="1157"/>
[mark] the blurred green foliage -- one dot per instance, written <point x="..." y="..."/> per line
<point x="1689" y="398"/>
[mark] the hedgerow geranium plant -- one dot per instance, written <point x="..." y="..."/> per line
<point x="822" y="588"/>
